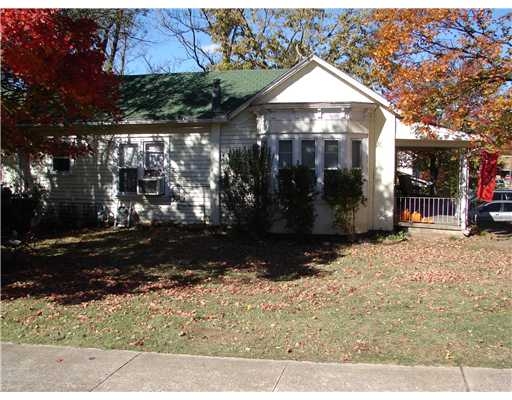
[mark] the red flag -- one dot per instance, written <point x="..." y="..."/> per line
<point x="487" y="175"/>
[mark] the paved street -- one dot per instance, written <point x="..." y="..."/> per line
<point x="53" y="368"/>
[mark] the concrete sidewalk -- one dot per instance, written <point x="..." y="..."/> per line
<point x="52" y="368"/>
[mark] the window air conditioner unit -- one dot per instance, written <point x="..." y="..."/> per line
<point x="152" y="186"/>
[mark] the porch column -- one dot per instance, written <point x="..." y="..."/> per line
<point x="214" y="174"/>
<point x="463" y="190"/>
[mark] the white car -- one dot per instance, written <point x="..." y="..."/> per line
<point x="495" y="211"/>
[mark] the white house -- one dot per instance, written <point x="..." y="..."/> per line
<point x="164" y="158"/>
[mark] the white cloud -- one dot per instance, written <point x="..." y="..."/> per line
<point x="211" y="48"/>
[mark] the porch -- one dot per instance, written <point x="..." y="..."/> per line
<point x="431" y="185"/>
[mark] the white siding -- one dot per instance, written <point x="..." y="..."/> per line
<point x="318" y="121"/>
<point x="90" y="179"/>
<point x="240" y="132"/>
<point x="93" y="179"/>
<point x="382" y="162"/>
<point x="314" y="84"/>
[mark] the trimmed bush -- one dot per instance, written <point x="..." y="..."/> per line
<point x="343" y="191"/>
<point x="296" y="197"/>
<point x="245" y="188"/>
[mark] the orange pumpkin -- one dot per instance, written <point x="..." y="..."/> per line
<point x="405" y="215"/>
<point x="416" y="216"/>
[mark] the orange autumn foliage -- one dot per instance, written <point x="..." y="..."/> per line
<point x="448" y="67"/>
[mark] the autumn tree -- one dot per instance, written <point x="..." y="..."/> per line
<point x="52" y="74"/>
<point x="273" y="38"/>
<point x="448" y="67"/>
<point x="121" y="33"/>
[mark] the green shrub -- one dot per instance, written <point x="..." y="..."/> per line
<point x="296" y="197"/>
<point x="343" y="191"/>
<point x="19" y="209"/>
<point x="245" y="188"/>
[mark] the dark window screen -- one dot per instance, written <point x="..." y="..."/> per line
<point x="128" y="180"/>
<point x="61" y="164"/>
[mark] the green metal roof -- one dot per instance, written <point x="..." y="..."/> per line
<point x="188" y="95"/>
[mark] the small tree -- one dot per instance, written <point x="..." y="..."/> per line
<point x="343" y="191"/>
<point x="296" y="197"/>
<point x="245" y="184"/>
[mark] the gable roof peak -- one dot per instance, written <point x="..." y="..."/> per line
<point x="313" y="58"/>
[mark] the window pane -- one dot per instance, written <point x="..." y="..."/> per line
<point x="61" y="164"/>
<point x="507" y="207"/>
<point x="155" y="147"/>
<point x="356" y="154"/>
<point x="154" y="156"/>
<point x="128" y="180"/>
<point x="494" y="207"/>
<point x="128" y="155"/>
<point x="331" y="154"/>
<point x="285" y="154"/>
<point x="308" y="153"/>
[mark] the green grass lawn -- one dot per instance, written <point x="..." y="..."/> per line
<point x="431" y="301"/>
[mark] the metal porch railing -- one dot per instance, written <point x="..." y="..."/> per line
<point x="428" y="210"/>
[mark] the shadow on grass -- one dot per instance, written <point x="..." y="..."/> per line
<point x="90" y="266"/>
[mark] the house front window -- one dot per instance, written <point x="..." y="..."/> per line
<point x="128" y="168"/>
<point x="322" y="154"/>
<point x="154" y="159"/>
<point x="128" y="180"/>
<point x="308" y="157"/>
<point x="285" y="154"/>
<point x="357" y="153"/>
<point x="308" y="154"/>
<point x="331" y="156"/>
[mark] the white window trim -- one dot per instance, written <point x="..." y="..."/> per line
<point x="128" y="143"/>
<point x="340" y="150"/>
<point x="344" y="151"/>
<point x="125" y="194"/>
<point x="144" y="144"/>
<point x="363" y="155"/>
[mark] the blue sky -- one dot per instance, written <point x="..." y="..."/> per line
<point x="163" y="50"/>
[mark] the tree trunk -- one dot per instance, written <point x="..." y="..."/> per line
<point x="434" y="172"/>
<point x="115" y="41"/>
<point x="25" y="174"/>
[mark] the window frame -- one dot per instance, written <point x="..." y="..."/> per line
<point x="302" y="141"/>
<point x="122" y="165"/>
<point x="291" y="153"/>
<point x="125" y="192"/>
<point x="488" y="206"/>
<point x="122" y="162"/>
<point x="360" y="155"/>
<point x="338" y="147"/>
<point x="344" y="151"/>
<point x="147" y="170"/>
